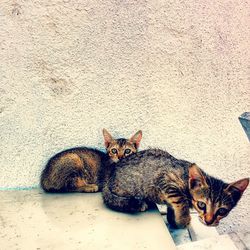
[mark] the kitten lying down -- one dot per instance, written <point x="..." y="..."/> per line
<point x="79" y="169"/>
<point x="155" y="176"/>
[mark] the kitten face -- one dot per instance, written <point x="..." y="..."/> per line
<point x="212" y="198"/>
<point x="120" y="148"/>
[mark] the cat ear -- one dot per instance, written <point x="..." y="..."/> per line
<point x="107" y="137"/>
<point x="136" y="138"/>
<point x="241" y="185"/>
<point x="196" y="178"/>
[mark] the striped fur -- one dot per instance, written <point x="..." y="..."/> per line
<point x="78" y="169"/>
<point x="154" y="176"/>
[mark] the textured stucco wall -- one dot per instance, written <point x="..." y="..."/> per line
<point x="178" y="70"/>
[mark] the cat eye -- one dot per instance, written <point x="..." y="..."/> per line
<point x="201" y="205"/>
<point x="127" y="151"/>
<point x="222" y="211"/>
<point x="114" y="151"/>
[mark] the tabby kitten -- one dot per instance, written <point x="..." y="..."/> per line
<point x="78" y="169"/>
<point x="155" y="176"/>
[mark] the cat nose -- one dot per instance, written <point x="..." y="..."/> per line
<point x="209" y="219"/>
<point x="209" y="222"/>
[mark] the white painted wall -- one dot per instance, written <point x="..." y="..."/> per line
<point x="178" y="70"/>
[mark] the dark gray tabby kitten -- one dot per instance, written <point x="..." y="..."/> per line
<point x="154" y="176"/>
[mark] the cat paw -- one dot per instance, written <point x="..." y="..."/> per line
<point x="90" y="188"/>
<point x="144" y="207"/>
<point x="93" y="189"/>
<point x="183" y="222"/>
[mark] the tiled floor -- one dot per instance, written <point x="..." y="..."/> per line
<point x="222" y="242"/>
<point x="34" y="220"/>
<point x="31" y="219"/>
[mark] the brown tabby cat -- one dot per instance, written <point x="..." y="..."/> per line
<point x="78" y="169"/>
<point x="155" y="176"/>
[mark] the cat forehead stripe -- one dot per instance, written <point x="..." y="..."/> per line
<point x="121" y="141"/>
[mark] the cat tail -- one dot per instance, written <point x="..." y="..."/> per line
<point x="121" y="203"/>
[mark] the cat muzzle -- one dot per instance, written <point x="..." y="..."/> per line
<point x="211" y="223"/>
